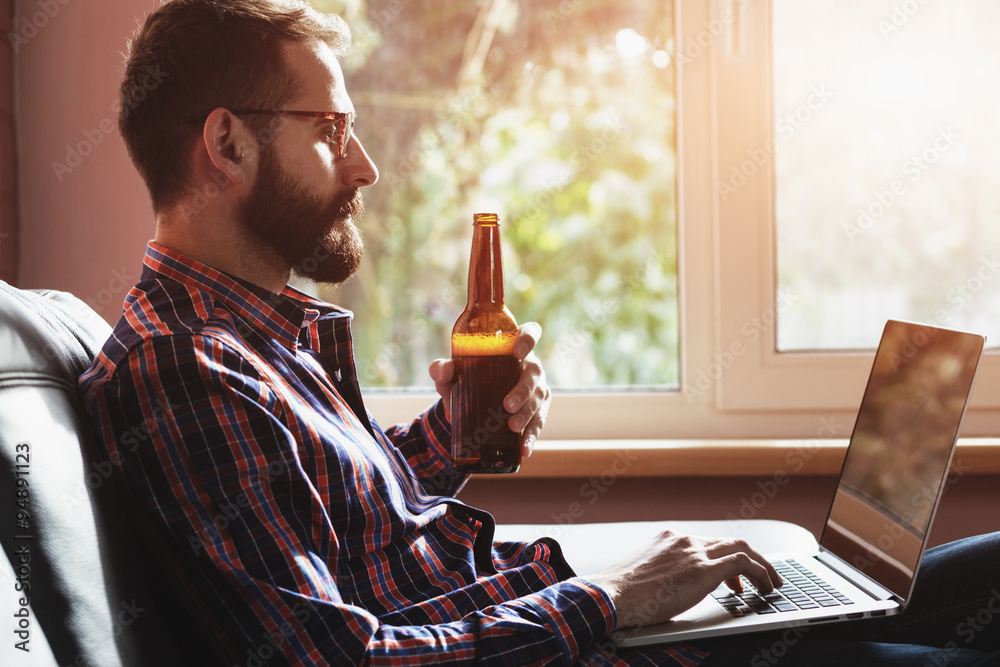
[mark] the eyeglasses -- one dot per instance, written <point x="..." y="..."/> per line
<point x="343" y="122"/>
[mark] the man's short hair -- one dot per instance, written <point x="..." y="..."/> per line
<point x="192" y="56"/>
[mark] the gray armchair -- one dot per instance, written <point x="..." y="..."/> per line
<point x="74" y="583"/>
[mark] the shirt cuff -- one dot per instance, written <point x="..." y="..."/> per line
<point x="437" y="430"/>
<point x="582" y="614"/>
<point x="435" y="471"/>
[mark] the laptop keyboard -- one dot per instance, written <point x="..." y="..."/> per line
<point x="802" y="590"/>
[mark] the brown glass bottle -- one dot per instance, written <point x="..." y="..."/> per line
<point x="482" y="344"/>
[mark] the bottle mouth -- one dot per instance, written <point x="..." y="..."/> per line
<point x="486" y="218"/>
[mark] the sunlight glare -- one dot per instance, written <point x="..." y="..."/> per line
<point x="661" y="59"/>
<point x="630" y="44"/>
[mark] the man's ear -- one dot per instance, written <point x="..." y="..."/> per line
<point x="229" y="144"/>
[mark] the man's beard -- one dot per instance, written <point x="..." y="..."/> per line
<point x="317" y="239"/>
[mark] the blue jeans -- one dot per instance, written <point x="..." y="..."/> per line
<point x="953" y="620"/>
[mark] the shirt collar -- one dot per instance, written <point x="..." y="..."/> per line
<point x="281" y="316"/>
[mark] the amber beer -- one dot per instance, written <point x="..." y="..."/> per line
<point x="482" y="345"/>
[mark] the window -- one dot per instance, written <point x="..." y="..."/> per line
<point x="558" y="115"/>
<point x="886" y="169"/>
<point x="845" y="195"/>
<point x="717" y="326"/>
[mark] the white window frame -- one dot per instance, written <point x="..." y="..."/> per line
<point x="734" y="384"/>
<point x="762" y="379"/>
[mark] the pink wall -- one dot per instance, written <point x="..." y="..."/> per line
<point x="83" y="229"/>
<point x="8" y="162"/>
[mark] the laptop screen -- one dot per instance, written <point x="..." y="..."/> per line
<point x="897" y="463"/>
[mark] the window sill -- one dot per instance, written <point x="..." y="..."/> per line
<point x="718" y="458"/>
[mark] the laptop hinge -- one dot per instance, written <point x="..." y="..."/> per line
<point x="855" y="576"/>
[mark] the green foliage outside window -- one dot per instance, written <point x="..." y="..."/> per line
<point x="559" y="116"/>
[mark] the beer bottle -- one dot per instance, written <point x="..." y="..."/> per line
<point x="482" y="344"/>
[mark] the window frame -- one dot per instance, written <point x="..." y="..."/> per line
<point x="734" y="384"/>
<point x="763" y="379"/>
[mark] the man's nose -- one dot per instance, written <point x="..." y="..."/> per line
<point x="358" y="170"/>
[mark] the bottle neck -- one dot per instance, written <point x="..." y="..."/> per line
<point x="486" y="289"/>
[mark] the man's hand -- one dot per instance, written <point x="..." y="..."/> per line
<point x="675" y="572"/>
<point x="528" y="402"/>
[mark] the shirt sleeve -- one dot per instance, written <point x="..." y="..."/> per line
<point x="209" y="459"/>
<point x="426" y="445"/>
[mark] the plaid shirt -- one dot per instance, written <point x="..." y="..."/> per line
<point x="294" y="529"/>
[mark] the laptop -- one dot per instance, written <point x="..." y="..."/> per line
<point x="892" y="479"/>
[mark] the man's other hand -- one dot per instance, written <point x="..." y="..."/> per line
<point x="528" y="402"/>
<point x="675" y="572"/>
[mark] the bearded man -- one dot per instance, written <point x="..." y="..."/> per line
<point x="285" y="525"/>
